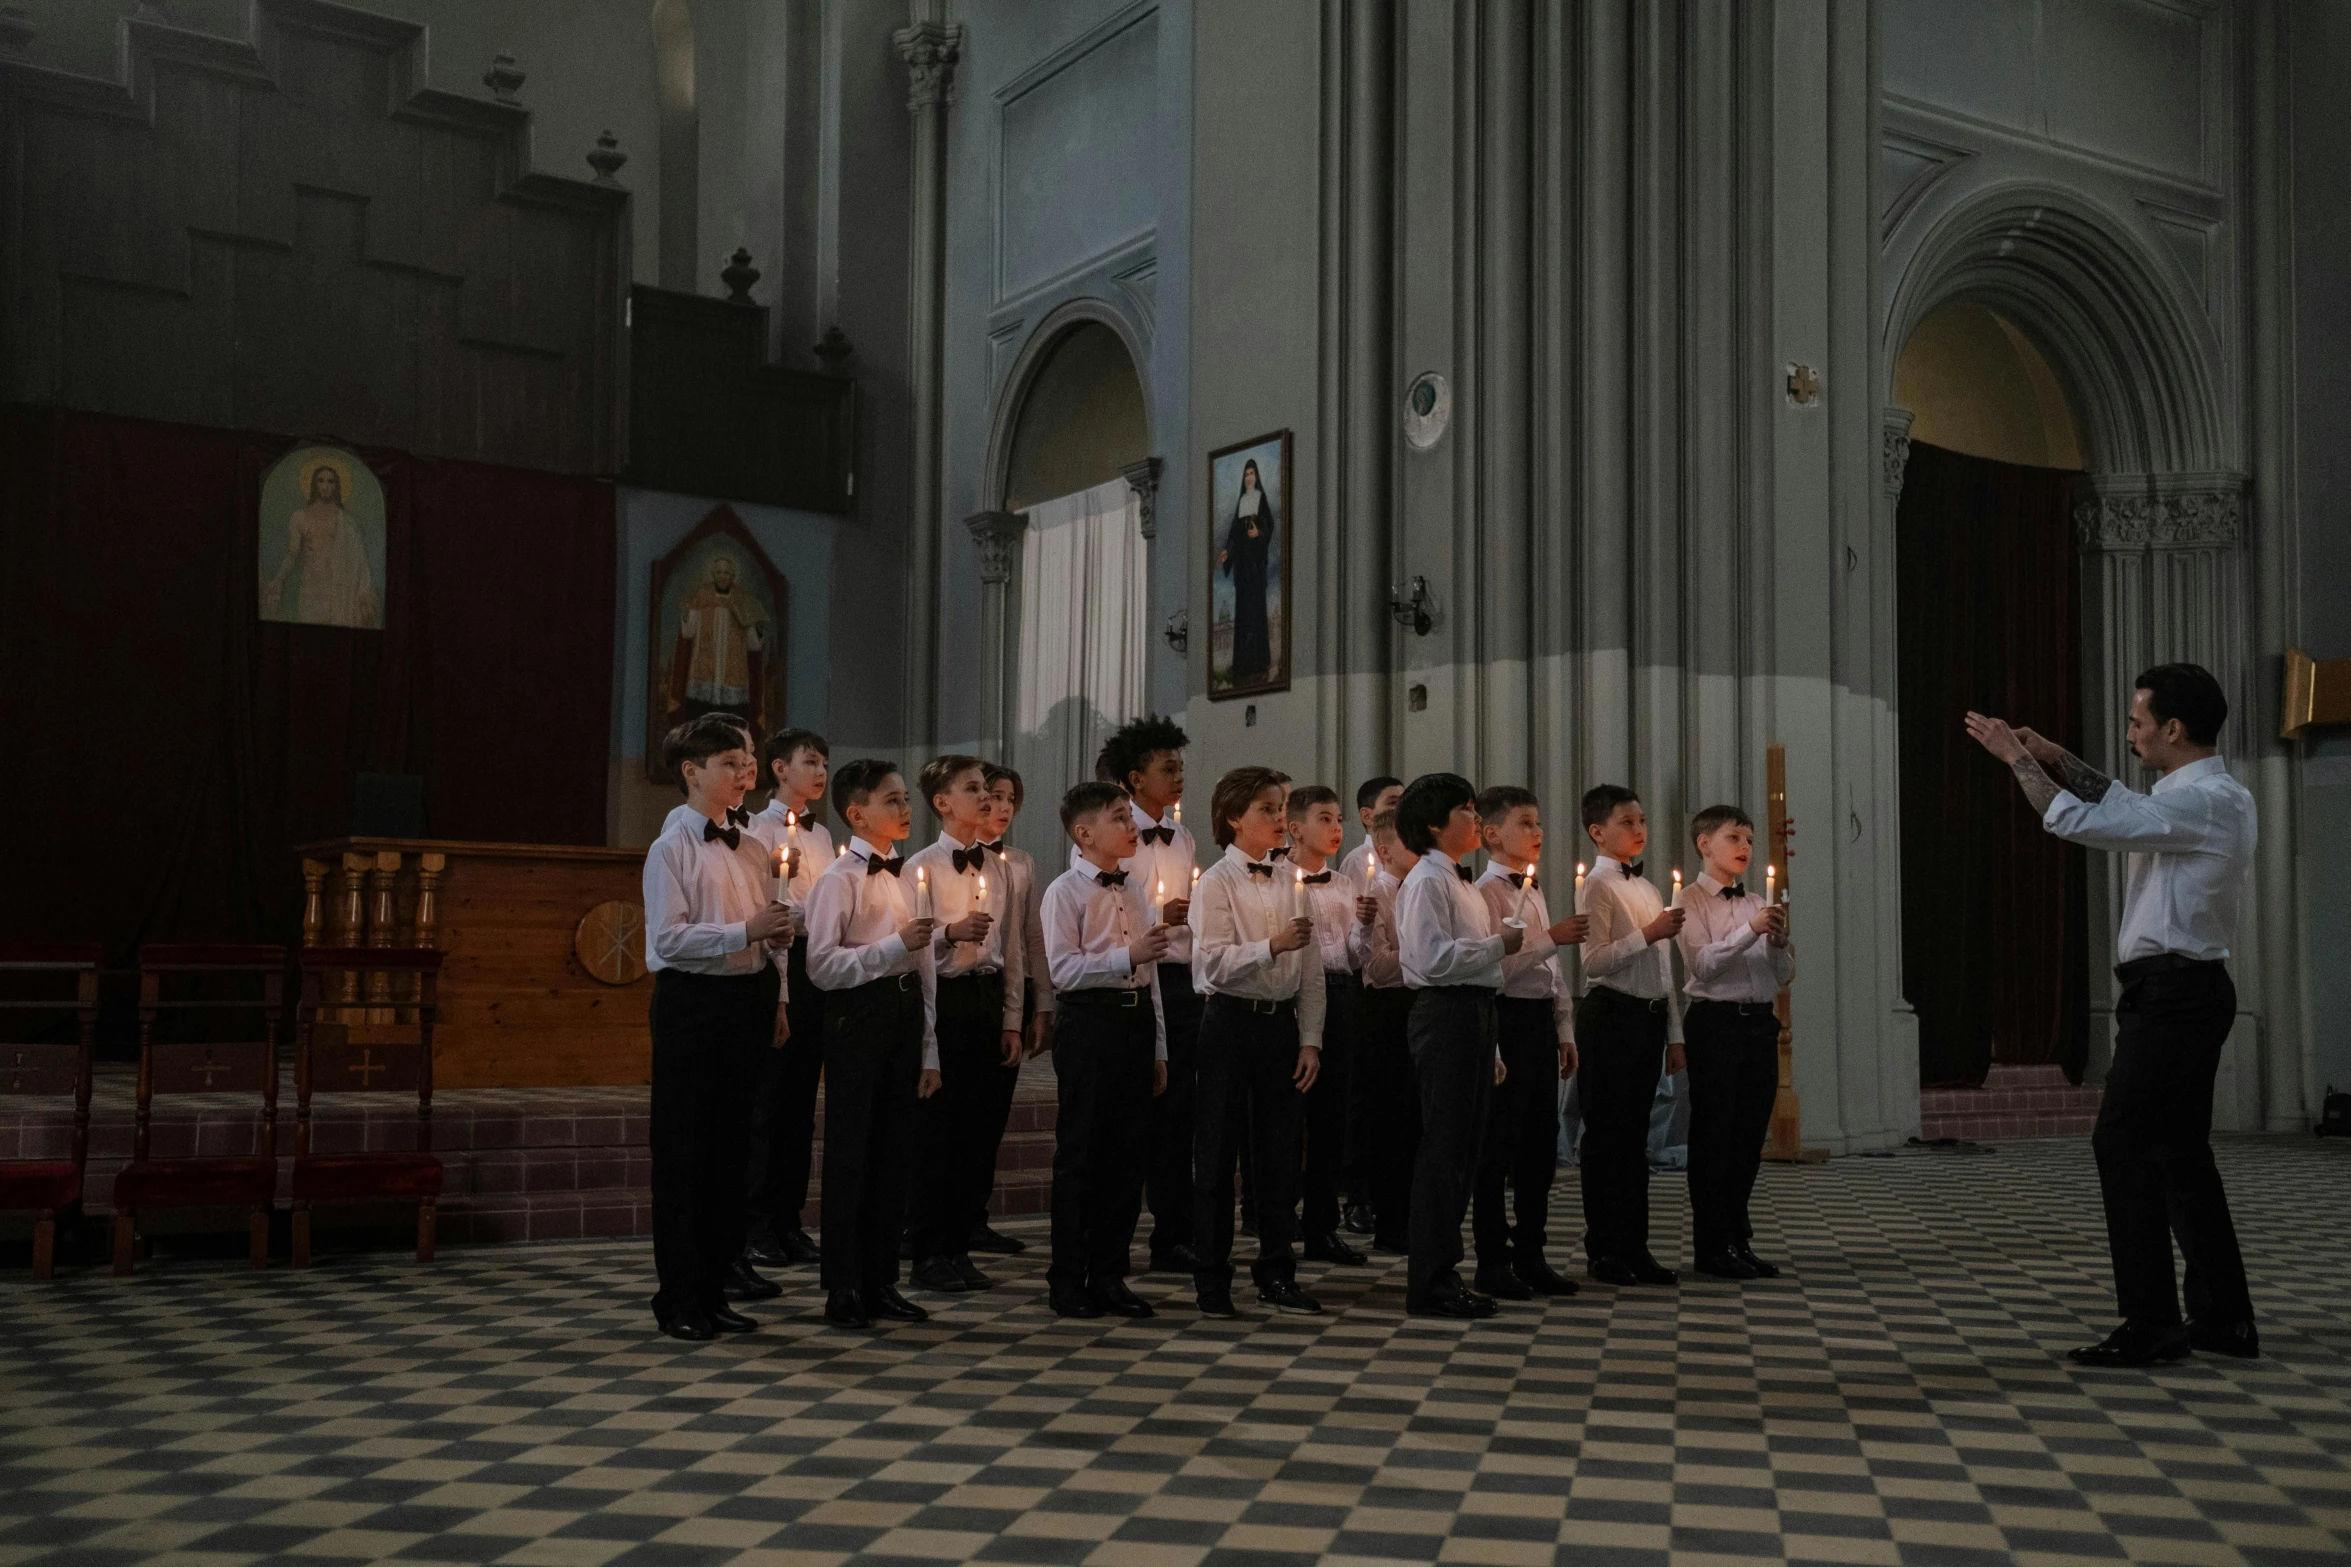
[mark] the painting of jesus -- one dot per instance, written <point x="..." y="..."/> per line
<point x="322" y="541"/>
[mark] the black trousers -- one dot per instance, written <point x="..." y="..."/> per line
<point x="1734" y="1053"/>
<point x="783" y="1108"/>
<point x="1620" y="1050"/>
<point x="1102" y="1053"/>
<point x="1390" y="1093"/>
<point x="1168" y="1179"/>
<point x="709" y="1033"/>
<point x="1522" y="1138"/>
<point x="872" y="1066"/>
<point x="1247" y="1056"/>
<point x="1328" y="1103"/>
<point x="2153" y="1142"/>
<point x="959" y="1128"/>
<point x="1452" y="1032"/>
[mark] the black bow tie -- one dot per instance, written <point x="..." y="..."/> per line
<point x="1259" y="867"/>
<point x="1158" y="835"/>
<point x="974" y="858"/>
<point x="1465" y="873"/>
<point x="712" y="832"/>
<point x="737" y="816"/>
<point x="1630" y="871"/>
<point x="1277" y="851"/>
<point x="996" y="848"/>
<point x="1523" y="881"/>
<point x="1110" y="878"/>
<point x="875" y="866"/>
<point x="1318" y="878"/>
<point x="1737" y="889"/>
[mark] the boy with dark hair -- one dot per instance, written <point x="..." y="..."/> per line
<point x="1451" y="953"/>
<point x="977" y="957"/>
<point x="869" y="949"/>
<point x="1372" y="797"/>
<point x="1735" y="951"/>
<point x="717" y="1006"/>
<point x="1146" y="758"/>
<point x="793" y="764"/>
<point x="1260" y="1041"/>
<point x="1536" y="1018"/>
<point x="1342" y="941"/>
<point x="1628" y="1026"/>
<point x="1391" y="1092"/>
<point x="1006" y="794"/>
<point x="1103" y="952"/>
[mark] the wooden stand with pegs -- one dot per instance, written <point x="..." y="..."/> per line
<point x="1786" y="1143"/>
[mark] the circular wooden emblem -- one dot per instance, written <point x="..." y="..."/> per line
<point x="610" y="942"/>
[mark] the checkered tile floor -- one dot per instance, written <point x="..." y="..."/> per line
<point x="1899" y="1399"/>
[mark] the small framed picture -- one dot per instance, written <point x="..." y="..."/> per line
<point x="717" y="624"/>
<point x="1249" y="550"/>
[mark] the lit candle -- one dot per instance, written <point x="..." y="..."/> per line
<point x="983" y="892"/>
<point x="1159" y="902"/>
<point x="922" y="894"/>
<point x="1526" y="883"/>
<point x="1771" y="882"/>
<point x="1179" y="813"/>
<point x="1579" y="881"/>
<point x="1677" y="884"/>
<point x="783" y="873"/>
<point x="1298" y="900"/>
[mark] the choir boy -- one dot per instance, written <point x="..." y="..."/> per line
<point x="1536" y="1016"/>
<point x="1103" y="952"/>
<point x="1451" y="949"/>
<point x="1006" y="795"/>
<point x="1628" y="1026"/>
<point x="1260" y="1041"/>
<point x="869" y="949"/>
<point x="1735" y="950"/>
<point x="1343" y="940"/>
<point x="1383" y="1056"/>
<point x="793" y="764"/>
<point x="976" y="954"/>
<point x="1372" y="797"/>
<point x="718" y="1005"/>
<point x="1146" y="758"/>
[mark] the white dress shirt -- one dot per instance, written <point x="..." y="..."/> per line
<point x="1343" y="940"/>
<point x="699" y="896"/>
<point x="1532" y="973"/>
<point x="1382" y="968"/>
<point x="1155" y="864"/>
<point x="1616" y="954"/>
<point x="814" y="838"/>
<point x="956" y="893"/>
<point x="1235" y="914"/>
<point x="1088" y="928"/>
<point x="1022" y="868"/>
<point x="853" y="920"/>
<point x="1445" y="934"/>
<point x="1722" y="952"/>
<point x="2188" y="843"/>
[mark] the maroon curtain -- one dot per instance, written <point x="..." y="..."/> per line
<point x="1994" y="911"/>
<point x="165" y="749"/>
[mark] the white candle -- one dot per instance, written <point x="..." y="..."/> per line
<point x="1179" y="813"/>
<point x="1298" y="901"/>
<point x="1677" y="884"/>
<point x="922" y="894"/>
<point x="1159" y="902"/>
<point x="783" y="874"/>
<point x="1579" y="876"/>
<point x="1771" y="882"/>
<point x="1526" y="882"/>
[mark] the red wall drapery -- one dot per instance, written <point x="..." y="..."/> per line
<point x="162" y="749"/>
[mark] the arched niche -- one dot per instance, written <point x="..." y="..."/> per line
<point x="1974" y="382"/>
<point x="1073" y="411"/>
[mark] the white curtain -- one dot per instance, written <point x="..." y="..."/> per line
<point x="1083" y="648"/>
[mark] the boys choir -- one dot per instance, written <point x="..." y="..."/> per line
<point x="1376" y="1041"/>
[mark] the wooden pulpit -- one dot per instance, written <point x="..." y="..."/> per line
<point x="543" y="981"/>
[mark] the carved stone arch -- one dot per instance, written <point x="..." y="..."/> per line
<point x="1004" y="418"/>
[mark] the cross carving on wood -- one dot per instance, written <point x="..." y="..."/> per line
<point x="366" y="1067"/>
<point x="210" y="1069"/>
<point x="1803" y="385"/>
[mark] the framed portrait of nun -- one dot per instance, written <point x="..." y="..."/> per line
<point x="322" y="541"/>
<point x="1249" y="550"/>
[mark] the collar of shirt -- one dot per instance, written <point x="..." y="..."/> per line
<point x="1443" y="861"/>
<point x="2181" y="777"/>
<point x="1603" y="865"/>
<point x="951" y="843"/>
<point x="1706" y="883"/>
<point x="866" y="851"/>
<point x="1234" y="853"/>
<point x="1144" y="818"/>
<point x="1497" y="871"/>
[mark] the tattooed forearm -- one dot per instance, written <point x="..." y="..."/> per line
<point x="2081" y="780"/>
<point x="2038" y="786"/>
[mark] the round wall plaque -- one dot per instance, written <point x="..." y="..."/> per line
<point x="1428" y="408"/>
<point x="610" y="942"/>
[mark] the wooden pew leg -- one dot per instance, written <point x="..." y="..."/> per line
<point x="44" y="1245"/>
<point x="125" y="1231"/>
<point x="257" y="1253"/>
<point x="427" y="1216"/>
<point x="301" y="1235"/>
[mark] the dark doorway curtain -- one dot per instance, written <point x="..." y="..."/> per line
<point x="1995" y="912"/>
<point x="162" y="749"/>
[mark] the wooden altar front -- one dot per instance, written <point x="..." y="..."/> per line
<point x="543" y="982"/>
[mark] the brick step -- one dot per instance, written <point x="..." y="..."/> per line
<point x="1983" y="1101"/>
<point x="2006" y="1128"/>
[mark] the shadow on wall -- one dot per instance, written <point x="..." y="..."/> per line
<point x="1051" y="760"/>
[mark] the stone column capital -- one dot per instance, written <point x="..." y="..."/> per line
<point x="1896" y="453"/>
<point x="1143" y="478"/>
<point x="996" y="533"/>
<point x="930" y="50"/>
<point x="2129" y="512"/>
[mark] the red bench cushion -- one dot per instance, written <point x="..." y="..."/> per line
<point x="39" y="1183"/>
<point x="360" y="1177"/>
<point x="195" y="1183"/>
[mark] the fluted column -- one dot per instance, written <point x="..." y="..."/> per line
<point x="998" y="535"/>
<point x="1368" y="393"/>
<point x="930" y="47"/>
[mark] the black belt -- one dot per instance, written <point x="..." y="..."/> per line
<point x="1251" y="1004"/>
<point x="1741" y="1008"/>
<point x="2163" y="963"/>
<point x="1105" y="997"/>
<point x="975" y="974"/>
<point x="911" y="980"/>
<point x="1626" y="998"/>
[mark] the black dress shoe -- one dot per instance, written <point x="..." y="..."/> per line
<point x="1218" y="1303"/>
<point x="1178" y="1258"/>
<point x="888" y="1305"/>
<point x="728" y="1320"/>
<point x="1333" y="1248"/>
<point x="1539" y="1277"/>
<point x="1285" y="1295"/>
<point x="1359" y="1219"/>
<point x="743" y="1284"/>
<point x="692" y="1326"/>
<point x="1391" y="1246"/>
<point x="799" y="1250"/>
<point x="1502" y="1284"/>
<point x="1648" y="1270"/>
<point x="995" y="1242"/>
<point x="846" y="1309"/>
<point x="938" y="1275"/>
<point x="1120" y="1301"/>
<point x="1763" y="1270"/>
<point x="766" y="1249"/>
<point x="1074" y="1302"/>
<point x="1725" y="1264"/>
<point x="1609" y="1270"/>
<point x="2135" y="1344"/>
<point x="1456" y="1303"/>
<point x="2224" y="1338"/>
<point x="973" y="1278"/>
